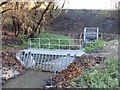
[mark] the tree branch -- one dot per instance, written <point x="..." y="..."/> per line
<point x="47" y="8"/>
<point x="5" y="2"/>
<point x="5" y="11"/>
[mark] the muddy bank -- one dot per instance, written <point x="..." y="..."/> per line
<point x="11" y="67"/>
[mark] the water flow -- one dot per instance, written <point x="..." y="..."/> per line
<point x="31" y="79"/>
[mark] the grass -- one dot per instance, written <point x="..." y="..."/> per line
<point x="99" y="44"/>
<point x="44" y="41"/>
<point x="48" y="35"/>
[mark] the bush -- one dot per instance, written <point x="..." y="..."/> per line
<point x="99" y="44"/>
<point x="102" y="76"/>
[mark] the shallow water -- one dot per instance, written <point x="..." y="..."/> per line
<point x="31" y="79"/>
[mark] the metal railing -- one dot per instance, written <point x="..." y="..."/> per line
<point x="40" y="56"/>
<point x="55" y="43"/>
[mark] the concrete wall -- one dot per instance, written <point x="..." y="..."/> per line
<point x="73" y="21"/>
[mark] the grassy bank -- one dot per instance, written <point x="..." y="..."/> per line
<point x="104" y="75"/>
<point x="44" y="41"/>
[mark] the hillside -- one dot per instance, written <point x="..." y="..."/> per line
<point x="73" y="22"/>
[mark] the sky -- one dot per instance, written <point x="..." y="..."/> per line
<point x="85" y="4"/>
<point x="90" y="4"/>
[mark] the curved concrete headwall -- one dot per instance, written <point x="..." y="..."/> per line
<point x="73" y="21"/>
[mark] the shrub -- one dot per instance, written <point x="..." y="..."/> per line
<point x="102" y="76"/>
<point x="99" y="44"/>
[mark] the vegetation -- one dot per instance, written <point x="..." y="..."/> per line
<point x="102" y="76"/>
<point x="44" y="41"/>
<point x="113" y="42"/>
<point x="31" y="16"/>
<point x="99" y="45"/>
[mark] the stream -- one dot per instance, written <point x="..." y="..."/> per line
<point x="37" y="79"/>
<point x="30" y="79"/>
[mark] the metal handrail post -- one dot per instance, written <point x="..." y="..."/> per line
<point x="49" y="43"/>
<point x="30" y="43"/>
<point x="69" y="44"/>
<point x="39" y="42"/>
<point x="59" y="43"/>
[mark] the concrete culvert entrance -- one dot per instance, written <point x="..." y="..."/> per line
<point x="47" y="59"/>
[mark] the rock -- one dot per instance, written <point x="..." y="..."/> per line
<point x="9" y="73"/>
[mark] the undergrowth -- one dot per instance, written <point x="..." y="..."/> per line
<point x="99" y="44"/>
<point x="104" y="75"/>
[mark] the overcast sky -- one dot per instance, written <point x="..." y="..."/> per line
<point x="85" y="4"/>
<point x="90" y="4"/>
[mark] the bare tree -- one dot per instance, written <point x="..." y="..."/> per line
<point x="31" y="17"/>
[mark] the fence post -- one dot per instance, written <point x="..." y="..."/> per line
<point x="69" y="44"/>
<point x="59" y="43"/>
<point x="49" y="43"/>
<point x="39" y="42"/>
<point x="30" y="42"/>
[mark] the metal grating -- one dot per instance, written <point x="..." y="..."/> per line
<point x="52" y="55"/>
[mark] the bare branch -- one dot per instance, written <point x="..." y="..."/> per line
<point x="47" y="8"/>
<point x="5" y="11"/>
<point x="36" y="6"/>
<point x="5" y="2"/>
